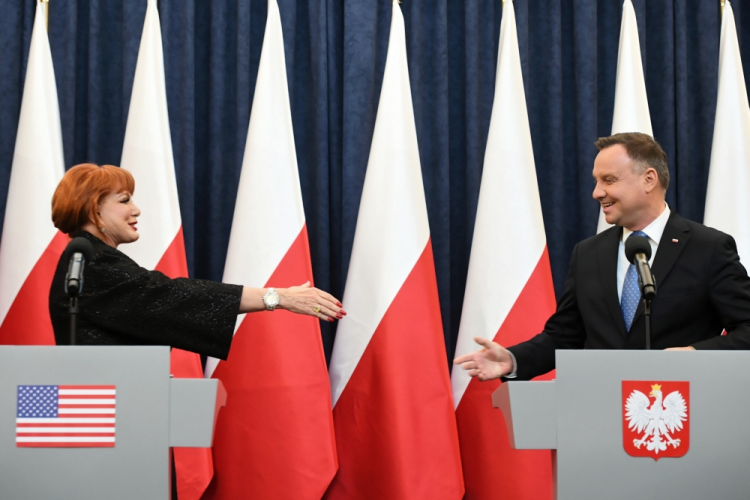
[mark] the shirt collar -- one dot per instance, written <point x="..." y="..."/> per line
<point x="653" y="230"/>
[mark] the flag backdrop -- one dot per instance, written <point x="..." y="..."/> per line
<point x="31" y="246"/>
<point x="147" y="154"/>
<point x="509" y="293"/>
<point x="393" y="411"/>
<point x="727" y="200"/>
<point x="631" y="103"/>
<point x="274" y="438"/>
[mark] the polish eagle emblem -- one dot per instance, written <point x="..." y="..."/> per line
<point x="656" y="425"/>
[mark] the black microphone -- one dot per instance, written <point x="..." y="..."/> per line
<point x="79" y="250"/>
<point x="638" y="251"/>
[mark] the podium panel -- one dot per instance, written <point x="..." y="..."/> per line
<point x="590" y="411"/>
<point x="136" y="465"/>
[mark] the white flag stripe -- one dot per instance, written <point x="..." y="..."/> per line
<point x="508" y="210"/>
<point x="66" y="439"/>
<point x="53" y="430"/>
<point x="147" y="150"/>
<point x="727" y="203"/>
<point x="392" y="227"/>
<point x="99" y="402"/>
<point x="269" y="177"/>
<point x="36" y="170"/>
<point x="71" y="420"/>
<point x="86" y="411"/>
<point x="87" y="392"/>
<point x="631" y="112"/>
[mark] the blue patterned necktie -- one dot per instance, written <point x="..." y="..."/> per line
<point x="631" y="292"/>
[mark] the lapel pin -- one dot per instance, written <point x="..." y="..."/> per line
<point x="675" y="240"/>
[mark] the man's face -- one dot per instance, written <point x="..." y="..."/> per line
<point x="623" y="194"/>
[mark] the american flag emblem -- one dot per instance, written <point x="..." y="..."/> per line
<point x="65" y="416"/>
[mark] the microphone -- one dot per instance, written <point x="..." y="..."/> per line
<point x="638" y="251"/>
<point x="79" y="250"/>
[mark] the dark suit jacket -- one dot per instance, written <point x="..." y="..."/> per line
<point x="125" y="304"/>
<point x="702" y="289"/>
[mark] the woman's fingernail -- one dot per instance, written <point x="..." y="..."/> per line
<point x="339" y="315"/>
<point x="330" y="319"/>
<point x="338" y="304"/>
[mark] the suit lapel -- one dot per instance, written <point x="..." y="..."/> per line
<point x="607" y="262"/>
<point x="673" y="240"/>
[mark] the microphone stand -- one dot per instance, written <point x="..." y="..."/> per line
<point x="647" y="297"/>
<point x="647" y="318"/>
<point x="73" y="311"/>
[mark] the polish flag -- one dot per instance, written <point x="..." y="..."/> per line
<point x="727" y="205"/>
<point x="509" y="295"/>
<point x="393" y="411"/>
<point x="31" y="246"/>
<point x="274" y="438"/>
<point x="147" y="154"/>
<point x="631" y="103"/>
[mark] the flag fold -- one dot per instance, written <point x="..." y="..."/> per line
<point x="393" y="411"/>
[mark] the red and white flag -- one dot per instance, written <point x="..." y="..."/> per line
<point x="274" y="438"/>
<point x="393" y="411"/>
<point x="631" y="112"/>
<point x="147" y="154"/>
<point x="508" y="298"/>
<point x="727" y="205"/>
<point x="31" y="246"/>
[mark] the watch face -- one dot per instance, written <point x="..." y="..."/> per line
<point x="271" y="298"/>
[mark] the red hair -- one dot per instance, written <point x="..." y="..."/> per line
<point x="77" y="197"/>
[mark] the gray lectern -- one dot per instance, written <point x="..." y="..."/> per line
<point x="89" y="422"/>
<point x="692" y="404"/>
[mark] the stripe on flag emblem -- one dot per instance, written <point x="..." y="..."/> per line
<point x="65" y="416"/>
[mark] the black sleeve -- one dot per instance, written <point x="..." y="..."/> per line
<point x="138" y="306"/>
<point x="729" y="291"/>
<point x="564" y="330"/>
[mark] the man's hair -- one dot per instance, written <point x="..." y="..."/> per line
<point x="81" y="190"/>
<point x="643" y="150"/>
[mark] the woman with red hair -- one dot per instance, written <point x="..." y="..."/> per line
<point x="125" y="304"/>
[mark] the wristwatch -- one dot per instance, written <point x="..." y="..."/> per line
<point x="271" y="299"/>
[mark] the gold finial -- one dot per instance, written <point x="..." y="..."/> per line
<point x="46" y="11"/>
<point x="722" y="4"/>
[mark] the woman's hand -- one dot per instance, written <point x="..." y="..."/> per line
<point x="306" y="299"/>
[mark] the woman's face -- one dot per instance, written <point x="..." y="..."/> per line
<point x="118" y="215"/>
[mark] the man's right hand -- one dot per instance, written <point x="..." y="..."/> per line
<point x="491" y="362"/>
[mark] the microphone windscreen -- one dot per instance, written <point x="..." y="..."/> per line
<point x="81" y="245"/>
<point x="635" y="245"/>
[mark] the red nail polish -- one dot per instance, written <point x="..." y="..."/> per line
<point x="338" y="304"/>
<point x="330" y="319"/>
<point x="339" y="315"/>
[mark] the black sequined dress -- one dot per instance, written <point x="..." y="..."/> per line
<point x="125" y="304"/>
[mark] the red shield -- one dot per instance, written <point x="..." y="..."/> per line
<point x="655" y="418"/>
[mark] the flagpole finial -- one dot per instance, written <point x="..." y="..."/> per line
<point x="46" y="12"/>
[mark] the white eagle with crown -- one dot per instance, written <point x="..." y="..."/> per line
<point x="656" y="420"/>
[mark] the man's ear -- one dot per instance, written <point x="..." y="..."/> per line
<point x="651" y="179"/>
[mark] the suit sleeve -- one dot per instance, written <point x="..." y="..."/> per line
<point x="564" y="330"/>
<point x="729" y="291"/>
<point x="133" y="303"/>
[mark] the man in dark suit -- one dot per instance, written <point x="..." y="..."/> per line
<point x="702" y="289"/>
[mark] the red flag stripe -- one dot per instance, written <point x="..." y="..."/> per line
<point x="275" y="400"/>
<point x="28" y="321"/>
<point x="388" y="446"/>
<point x="487" y="457"/>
